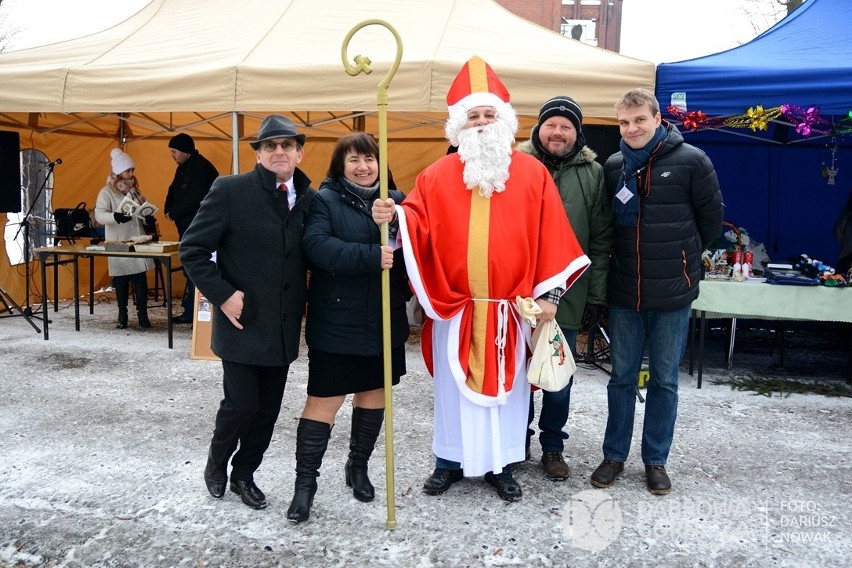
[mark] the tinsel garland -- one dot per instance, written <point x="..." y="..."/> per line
<point x="806" y="121"/>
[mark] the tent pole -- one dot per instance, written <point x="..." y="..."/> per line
<point x="362" y="64"/>
<point x="235" y="143"/>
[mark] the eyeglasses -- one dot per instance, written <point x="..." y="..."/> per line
<point x="270" y="145"/>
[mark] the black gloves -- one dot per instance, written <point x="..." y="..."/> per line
<point x="591" y="316"/>
<point x="150" y="222"/>
<point x="121" y="218"/>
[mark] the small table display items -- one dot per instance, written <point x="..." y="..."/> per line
<point x="734" y="256"/>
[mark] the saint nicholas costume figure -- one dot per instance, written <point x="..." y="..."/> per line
<point x="481" y="227"/>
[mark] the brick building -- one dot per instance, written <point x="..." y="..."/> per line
<point x="599" y="21"/>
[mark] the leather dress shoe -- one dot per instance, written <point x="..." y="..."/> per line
<point x="507" y="488"/>
<point x="657" y="479"/>
<point x="249" y="493"/>
<point x="215" y="479"/>
<point x="441" y="479"/>
<point x="605" y="474"/>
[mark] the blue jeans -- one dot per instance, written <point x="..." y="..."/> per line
<point x="630" y="332"/>
<point x="441" y="463"/>
<point x="554" y="409"/>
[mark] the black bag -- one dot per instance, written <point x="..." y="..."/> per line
<point x="73" y="223"/>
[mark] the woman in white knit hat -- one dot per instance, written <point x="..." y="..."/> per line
<point x="120" y="226"/>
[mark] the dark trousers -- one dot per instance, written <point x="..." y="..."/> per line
<point x="189" y="297"/>
<point x="140" y="290"/>
<point x="247" y="415"/>
<point x="554" y="409"/>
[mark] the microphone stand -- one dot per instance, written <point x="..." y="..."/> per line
<point x="6" y="300"/>
<point x="27" y="312"/>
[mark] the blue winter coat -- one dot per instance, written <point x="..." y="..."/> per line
<point x="344" y="298"/>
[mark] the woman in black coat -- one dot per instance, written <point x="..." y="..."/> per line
<point x="344" y="320"/>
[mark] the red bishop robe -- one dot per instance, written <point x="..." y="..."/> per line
<point x="465" y="252"/>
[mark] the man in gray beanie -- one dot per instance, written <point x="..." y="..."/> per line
<point x="557" y="141"/>
<point x="193" y="177"/>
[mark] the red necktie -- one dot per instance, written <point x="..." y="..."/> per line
<point x="283" y="188"/>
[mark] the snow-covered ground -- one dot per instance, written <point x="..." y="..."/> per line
<point x="104" y="433"/>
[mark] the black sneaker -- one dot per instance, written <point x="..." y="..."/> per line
<point x="657" y="479"/>
<point x="605" y="474"/>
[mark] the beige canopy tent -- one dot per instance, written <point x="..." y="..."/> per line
<point x="215" y="68"/>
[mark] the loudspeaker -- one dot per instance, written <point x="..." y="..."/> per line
<point x="10" y="172"/>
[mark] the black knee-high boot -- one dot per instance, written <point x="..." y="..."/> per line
<point x="311" y="443"/>
<point x="140" y="290"/>
<point x="366" y="424"/>
<point x="122" y="292"/>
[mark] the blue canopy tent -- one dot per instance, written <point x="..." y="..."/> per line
<point x="775" y="181"/>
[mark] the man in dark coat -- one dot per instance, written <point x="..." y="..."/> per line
<point x="193" y="177"/>
<point x="668" y="208"/>
<point x="557" y="140"/>
<point x="253" y="222"/>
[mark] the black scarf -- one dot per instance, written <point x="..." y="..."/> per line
<point x="360" y="190"/>
<point x="358" y="195"/>
<point x="635" y="161"/>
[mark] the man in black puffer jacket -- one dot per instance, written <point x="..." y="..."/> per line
<point x="668" y="208"/>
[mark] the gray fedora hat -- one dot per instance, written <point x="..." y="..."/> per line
<point x="277" y="126"/>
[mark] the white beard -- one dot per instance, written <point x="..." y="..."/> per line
<point x="486" y="154"/>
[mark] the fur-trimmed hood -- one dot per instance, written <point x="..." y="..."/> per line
<point x="585" y="154"/>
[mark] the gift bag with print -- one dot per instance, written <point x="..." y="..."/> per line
<point x="552" y="364"/>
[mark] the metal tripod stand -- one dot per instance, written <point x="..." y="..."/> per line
<point x="27" y="312"/>
<point x="597" y="348"/>
<point x="9" y="305"/>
